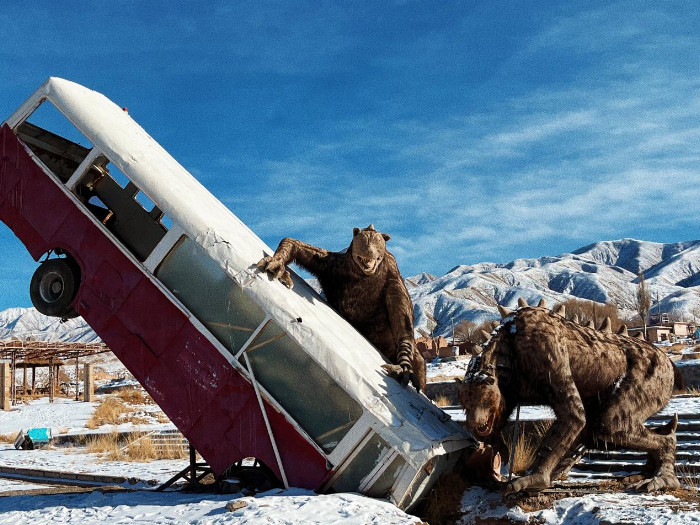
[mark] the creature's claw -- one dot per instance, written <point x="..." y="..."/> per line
<point x="657" y="483"/>
<point x="532" y="483"/>
<point x="392" y="370"/>
<point x="276" y="269"/>
<point x="404" y="377"/>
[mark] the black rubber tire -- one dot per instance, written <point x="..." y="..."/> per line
<point x="54" y="286"/>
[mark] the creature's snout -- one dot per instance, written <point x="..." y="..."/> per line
<point x="367" y="264"/>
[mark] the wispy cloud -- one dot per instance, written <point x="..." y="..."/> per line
<point x="601" y="156"/>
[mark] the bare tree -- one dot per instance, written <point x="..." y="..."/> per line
<point x="466" y="330"/>
<point x="643" y="301"/>
<point x="472" y="332"/>
<point x="586" y="311"/>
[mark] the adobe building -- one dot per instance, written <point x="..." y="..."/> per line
<point x="666" y="331"/>
<point x="432" y="347"/>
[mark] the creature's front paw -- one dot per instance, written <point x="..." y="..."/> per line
<point x="532" y="483"/>
<point x="398" y="373"/>
<point x="276" y="269"/>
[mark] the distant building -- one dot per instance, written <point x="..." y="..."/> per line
<point x="665" y="330"/>
<point x="659" y="319"/>
<point x="431" y="347"/>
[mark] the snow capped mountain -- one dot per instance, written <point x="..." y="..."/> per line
<point x="24" y="323"/>
<point x="606" y="271"/>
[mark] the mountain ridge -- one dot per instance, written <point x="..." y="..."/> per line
<point x="606" y="271"/>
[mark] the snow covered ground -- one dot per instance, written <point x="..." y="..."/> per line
<point x="446" y="368"/>
<point x="479" y="505"/>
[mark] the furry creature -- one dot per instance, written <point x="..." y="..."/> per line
<point x="363" y="285"/>
<point x="601" y="386"/>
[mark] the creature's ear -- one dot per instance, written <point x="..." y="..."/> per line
<point x="355" y="231"/>
<point x="386" y="236"/>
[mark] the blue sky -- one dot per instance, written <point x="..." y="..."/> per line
<point x="469" y="131"/>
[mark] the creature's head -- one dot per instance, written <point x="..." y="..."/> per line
<point x="368" y="249"/>
<point x="481" y="398"/>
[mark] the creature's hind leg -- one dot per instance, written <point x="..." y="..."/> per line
<point x="651" y="466"/>
<point x="622" y="424"/>
<point x="568" y="461"/>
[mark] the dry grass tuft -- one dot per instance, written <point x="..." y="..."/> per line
<point x="444" y="503"/>
<point x="8" y="438"/>
<point x="526" y="447"/>
<point x="136" y="419"/>
<point x="134" y="396"/>
<point x="688" y="476"/>
<point x="443" y="378"/>
<point x="136" y="448"/>
<point x="103" y="443"/>
<point x="143" y="449"/>
<point x="692" y="390"/>
<point x="442" y="401"/>
<point x="107" y="413"/>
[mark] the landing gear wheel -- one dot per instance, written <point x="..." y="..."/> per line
<point x="54" y="286"/>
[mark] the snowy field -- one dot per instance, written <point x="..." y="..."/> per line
<point x="139" y="503"/>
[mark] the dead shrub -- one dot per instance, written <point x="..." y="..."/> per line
<point x="688" y="476"/>
<point x="442" y="401"/>
<point x="444" y="504"/>
<point x="103" y="443"/>
<point x="692" y="390"/>
<point x="8" y="438"/>
<point x="108" y="412"/>
<point x="134" y="396"/>
<point x="136" y="419"/>
<point x="141" y="450"/>
<point x="526" y="446"/>
<point x="443" y="378"/>
<point x="144" y="449"/>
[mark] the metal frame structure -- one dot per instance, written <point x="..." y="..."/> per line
<point x="32" y="354"/>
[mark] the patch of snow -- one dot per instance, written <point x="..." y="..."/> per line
<point x="291" y="507"/>
<point x="479" y="505"/>
<point x="447" y="368"/>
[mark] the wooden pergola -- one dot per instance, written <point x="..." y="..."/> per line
<point x="30" y="354"/>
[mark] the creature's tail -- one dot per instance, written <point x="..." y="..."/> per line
<point x="678" y="383"/>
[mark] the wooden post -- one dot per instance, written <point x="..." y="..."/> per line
<point x="51" y="379"/>
<point x="77" y="378"/>
<point x="5" y="386"/>
<point x="33" y="379"/>
<point x="88" y="383"/>
<point x="13" y="379"/>
<point x="24" y="379"/>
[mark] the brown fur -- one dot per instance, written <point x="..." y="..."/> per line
<point x="601" y="386"/>
<point x="364" y="285"/>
